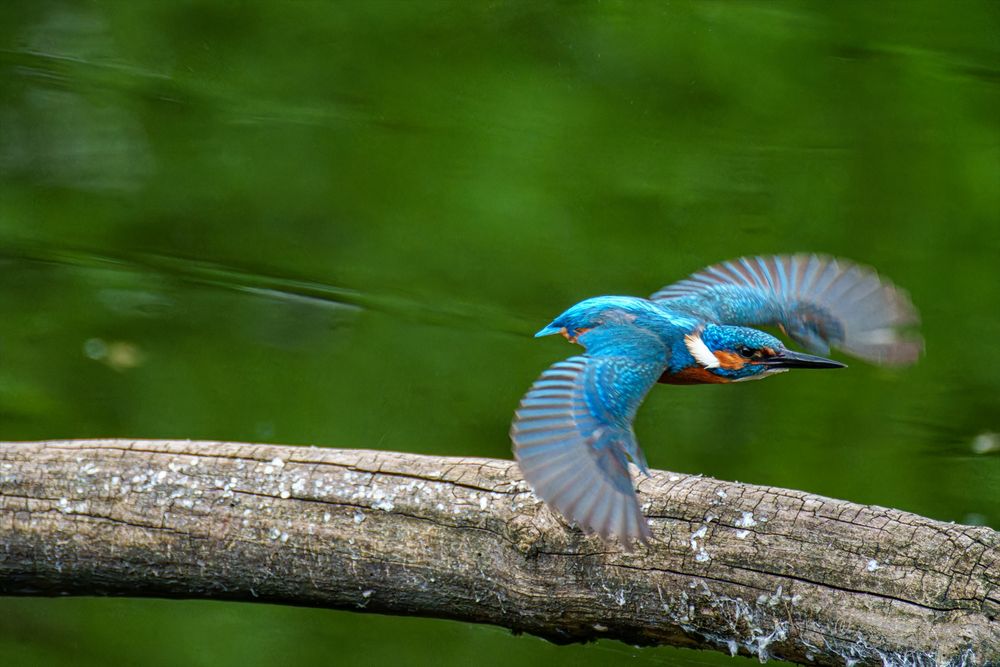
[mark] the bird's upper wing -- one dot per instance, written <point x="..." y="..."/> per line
<point x="573" y="436"/>
<point x="819" y="301"/>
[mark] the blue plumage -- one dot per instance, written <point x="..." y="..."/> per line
<point x="572" y="433"/>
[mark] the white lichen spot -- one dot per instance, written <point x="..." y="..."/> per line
<point x="872" y="565"/>
<point x="299" y="485"/>
<point x="702" y="556"/>
<point x="284" y="537"/>
<point x="160" y="476"/>
<point x="697" y="535"/>
<point x="741" y="534"/>
<point x="746" y="521"/>
<point x="284" y="493"/>
<point x="367" y="594"/>
<point x="600" y="628"/>
<point x="721" y="493"/>
<point x="733" y="647"/>
<point x="278" y="462"/>
<point x="359" y="517"/>
<point x="674" y="478"/>
<point x="385" y="504"/>
<point x="483" y="503"/>
<point x="326" y="517"/>
<point x="274" y="533"/>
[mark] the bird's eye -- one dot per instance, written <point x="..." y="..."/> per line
<point x="745" y="352"/>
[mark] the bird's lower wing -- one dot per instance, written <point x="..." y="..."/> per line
<point x="819" y="301"/>
<point x="573" y="437"/>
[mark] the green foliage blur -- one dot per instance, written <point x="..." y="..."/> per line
<point x="340" y="223"/>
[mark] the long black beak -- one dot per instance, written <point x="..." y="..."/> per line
<point x="789" y="359"/>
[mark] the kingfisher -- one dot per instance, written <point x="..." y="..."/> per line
<point x="572" y="433"/>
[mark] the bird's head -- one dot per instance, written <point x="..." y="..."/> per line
<point x="731" y="354"/>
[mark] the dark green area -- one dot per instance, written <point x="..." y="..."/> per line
<point x="339" y="223"/>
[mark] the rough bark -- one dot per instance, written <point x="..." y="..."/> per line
<point x="747" y="569"/>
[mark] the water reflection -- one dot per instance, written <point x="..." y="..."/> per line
<point x="298" y="294"/>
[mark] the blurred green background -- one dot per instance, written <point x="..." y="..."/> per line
<point x="340" y="223"/>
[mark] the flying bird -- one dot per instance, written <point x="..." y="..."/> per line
<point x="572" y="433"/>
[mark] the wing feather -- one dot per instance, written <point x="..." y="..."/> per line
<point x="573" y="438"/>
<point x="820" y="301"/>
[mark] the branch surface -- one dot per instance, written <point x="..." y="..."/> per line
<point x="746" y="569"/>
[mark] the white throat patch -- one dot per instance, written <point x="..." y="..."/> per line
<point x="696" y="346"/>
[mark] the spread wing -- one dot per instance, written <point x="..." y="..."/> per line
<point x="819" y="301"/>
<point x="573" y="435"/>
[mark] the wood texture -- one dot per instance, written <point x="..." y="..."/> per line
<point x="744" y="569"/>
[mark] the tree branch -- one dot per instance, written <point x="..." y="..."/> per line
<point x="734" y="567"/>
